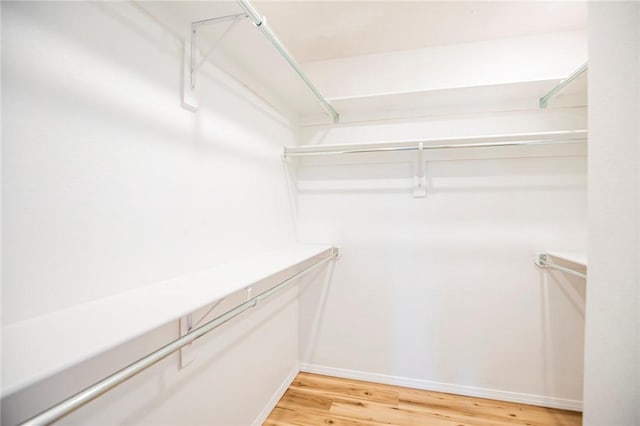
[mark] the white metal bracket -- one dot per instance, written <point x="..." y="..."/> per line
<point x="420" y="181"/>
<point x="187" y="353"/>
<point x="186" y="324"/>
<point x="191" y="62"/>
<point x="541" y="259"/>
<point x="335" y="252"/>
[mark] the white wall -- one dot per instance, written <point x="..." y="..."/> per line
<point x="612" y="352"/>
<point x="441" y="292"/>
<point x="108" y="184"/>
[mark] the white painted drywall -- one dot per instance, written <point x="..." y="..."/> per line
<point x="441" y="292"/>
<point x="529" y="58"/>
<point x="108" y="184"/>
<point x="612" y="353"/>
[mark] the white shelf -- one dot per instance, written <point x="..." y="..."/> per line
<point x="37" y="348"/>
<point x="472" y="99"/>
<point x="571" y="263"/>
<point x="578" y="258"/>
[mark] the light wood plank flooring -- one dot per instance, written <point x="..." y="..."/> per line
<point x="321" y="400"/>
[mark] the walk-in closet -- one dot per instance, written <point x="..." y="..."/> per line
<point x="356" y="213"/>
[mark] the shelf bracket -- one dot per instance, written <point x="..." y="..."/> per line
<point x="191" y="63"/>
<point x="187" y="324"/>
<point x="187" y="353"/>
<point x="420" y="181"/>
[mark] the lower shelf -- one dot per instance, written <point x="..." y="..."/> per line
<point x="37" y="348"/>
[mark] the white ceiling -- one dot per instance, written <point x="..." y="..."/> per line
<point x="323" y="29"/>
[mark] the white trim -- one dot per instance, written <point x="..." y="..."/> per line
<point x="273" y="401"/>
<point x="522" y="398"/>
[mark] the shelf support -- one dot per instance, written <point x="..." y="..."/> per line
<point x="191" y="64"/>
<point x="420" y="181"/>
<point x="553" y="92"/>
<point x="194" y="42"/>
<point x="187" y="354"/>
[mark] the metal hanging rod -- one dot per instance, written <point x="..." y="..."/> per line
<point x="577" y="73"/>
<point x="260" y="23"/>
<point x="87" y="395"/>
<point x="543" y="262"/>
<point x="562" y="137"/>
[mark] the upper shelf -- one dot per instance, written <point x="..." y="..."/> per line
<point x="111" y="321"/>
<point x="259" y="22"/>
<point x="523" y="95"/>
<point x="571" y="263"/>
<point x="509" y="96"/>
<point x="252" y="55"/>
<point x="577" y="258"/>
<point x="249" y="53"/>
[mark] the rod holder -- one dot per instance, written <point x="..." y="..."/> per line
<point x="420" y="181"/>
<point x="542" y="261"/>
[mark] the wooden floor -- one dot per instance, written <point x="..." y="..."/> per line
<point x="321" y="400"/>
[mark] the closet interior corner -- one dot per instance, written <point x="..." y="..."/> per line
<point x="320" y="212"/>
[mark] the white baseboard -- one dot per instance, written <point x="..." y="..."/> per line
<point x="273" y="401"/>
<point x="540" y="400"/>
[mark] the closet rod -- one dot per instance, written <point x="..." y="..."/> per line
<point x="260" y="23"/>
<point x="87" y="395"/>
<point x="564" y="83"/>
<point x="562" y="137"/>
